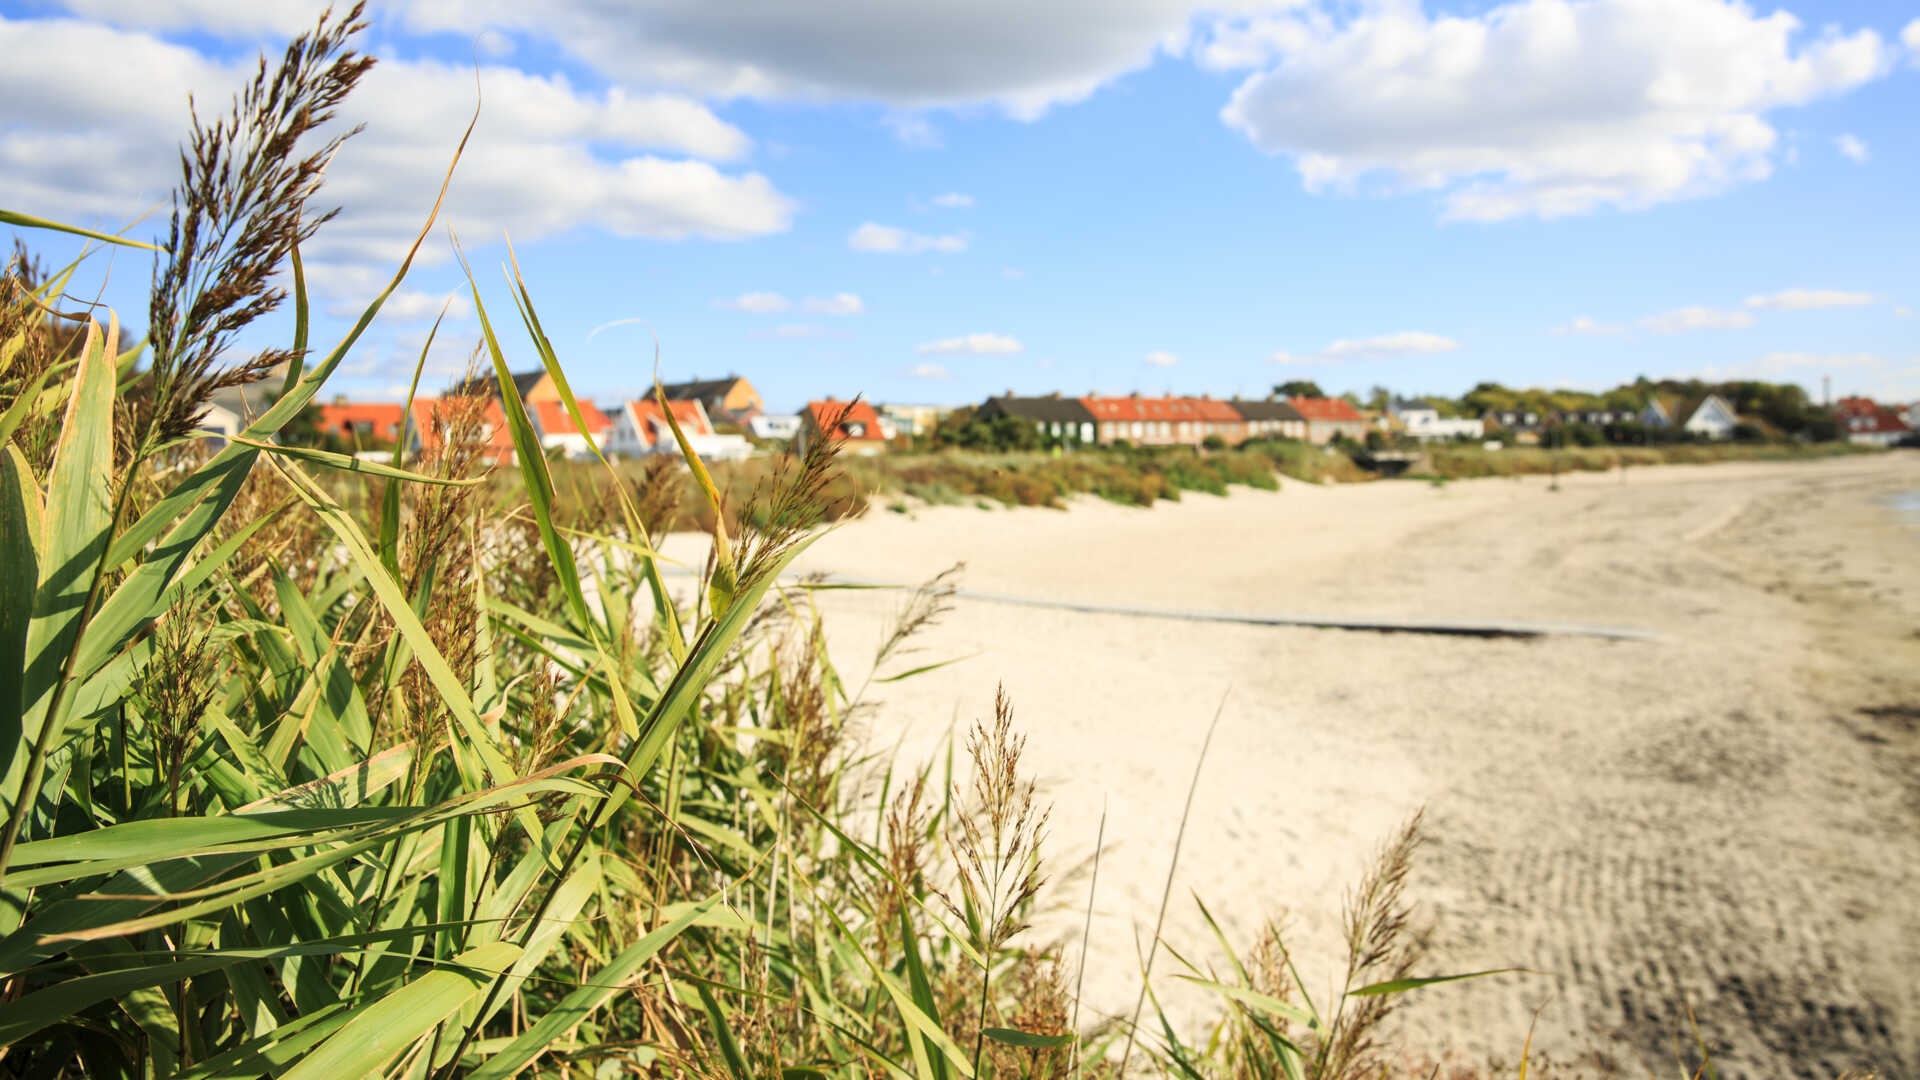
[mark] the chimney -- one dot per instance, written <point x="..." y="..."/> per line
<point x="1135" y="395"/>
<point x="1826" y="390"/>
<point x="1009" y="392"/>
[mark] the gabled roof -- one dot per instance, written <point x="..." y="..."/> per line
<point x="1859" y="414"/>
<point x="1266" y="409"/>
<point x="385" y="417"/>
<point x="701" y="389"/>
<point x="835" y="416"/>
<point x="1135" y="407"/>
<point x="1400" y="405"/>
<point x="499" y="440"/>
<point x="553" y="419"/>
<point x="1052" y="408"/>
<point x="1328" y="409"/>
<point x="523" y="382"/>
<point x="1213" y="411"/>
<point x="650" y="423"/>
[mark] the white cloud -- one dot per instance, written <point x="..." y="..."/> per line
<point x="913" y="131"/>
<point x="1852" y="148"/>
<point x="798" y="330"/>
<point x="1545" y="108"/>
<point x="1161" y="359"/>
<point x="1903" y="311"/>
<point x="1584" y="324"/>
<point x="1910" y="37"/>
<point x="98" y="144"/>
<point x="756" y="303"/>
<point x="976" y="344"/>
<point x="1388" y="345"/>
<point x="1380" y="347"/>
<point x="940" y="53"/>
<point x="953" y="200"/>
<point x="927" y="371"/>
<point x="1012" y="273"/>
<point x="1809" y="299"/>
<point x="886" y="239"/>
<point x="405" y="304"/>
<point x="845" y="303"/>
<point x="1695" y="318"/>
<point x="1778" y="362"/>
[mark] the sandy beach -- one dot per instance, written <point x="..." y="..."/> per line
<point x="1724" y="816"/>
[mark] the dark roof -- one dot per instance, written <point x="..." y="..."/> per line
<point x="1045" y="409"/>
<point x="702" y="389"/>
<point x="523" y="381"/>
<point x="1404" y="404"/>
<point x="1266" y="409"/>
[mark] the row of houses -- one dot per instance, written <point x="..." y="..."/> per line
<point x="1170" y="420"/>
<point x="635" y="428"/>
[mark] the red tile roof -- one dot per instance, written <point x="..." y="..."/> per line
<point x="1858" y="414"/>
<point x="341" y="416"/>
<point x="1328" y="409"/>
<point x="498" y="438"/>
<point x="1135" y="407"/>
<point x="1213" y="411"/>
<point x="838" y="415"/>
<point x="645" y="413"/>
<point x="553" y="419"/>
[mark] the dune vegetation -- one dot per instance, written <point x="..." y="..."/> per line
<point x="323" y="767"/>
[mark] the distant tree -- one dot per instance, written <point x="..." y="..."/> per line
<point x="1378" y="397"/>
<point x="1298" y="388"/>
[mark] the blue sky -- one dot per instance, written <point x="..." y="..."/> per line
<point x="939" y="201"/>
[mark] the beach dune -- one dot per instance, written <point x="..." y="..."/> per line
<point x="1724" y="816"/>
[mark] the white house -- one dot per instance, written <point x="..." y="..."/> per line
<point x="774" y="427"/>
<point x="640" y="428"/>
<point x="1709" y="417"/>
<point x="1424" y="422"/>
<point x="222" y="421"/>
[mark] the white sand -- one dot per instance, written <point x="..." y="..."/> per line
<point x="1725" y="816"/>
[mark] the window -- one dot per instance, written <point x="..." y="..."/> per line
<point x="856" y="429"/>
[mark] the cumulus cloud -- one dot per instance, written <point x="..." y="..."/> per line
<point x="888" y="240"/>
<point x="940" y="53"/>
<point x="953" y="200"/>
<point x="1851" y="147"/>
<point x="927" y="371"/>
<point x="845" y="303"/>
<point x="407" y="305"/>
<point x="1910" y="37"/>
<point x="1809" y="299"/>
<point x="1161" y="359"/>
<point x="1380" y="347"/>
<point x="755" y="303"/>
<point x="97" y="143"/>
<point x="1778" y="362"/>
<point x="975" y="344"/>
<point x="1695" y="318"/>
<point x="1583" y="324"/>
<point x="1546" y="108"/>
<point x="1405" y="343"/>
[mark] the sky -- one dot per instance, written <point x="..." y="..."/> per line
<point x="938" y="201"/>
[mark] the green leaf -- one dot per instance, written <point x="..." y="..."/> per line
<point x="1028" y="1039"/>
<point x="723" y="1032"/>
<point x="380" y="1030"/>
<point x="25" y="221"/>
<point x="584" y="1000"/>
<point x="349" y="463"/>
<point x="20" y="525"/>
<point x="76" y="527"/>
<point x="1401" y="986"/>
<point x="1256" y="1000"/>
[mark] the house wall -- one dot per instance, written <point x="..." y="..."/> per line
<point x="1712" y="419"/>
